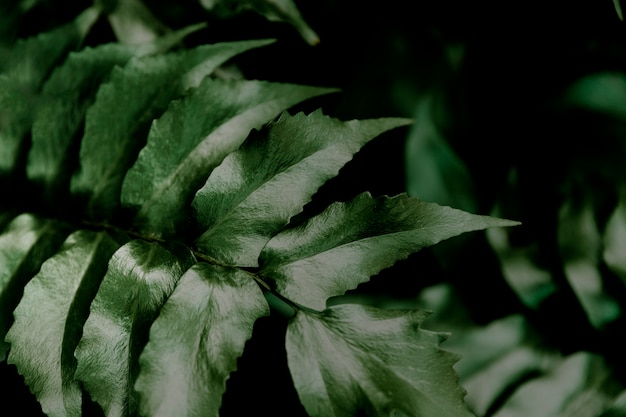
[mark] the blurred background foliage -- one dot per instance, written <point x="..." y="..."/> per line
<point x="520" y="112"/>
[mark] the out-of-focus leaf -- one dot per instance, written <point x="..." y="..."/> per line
<point x="50" y="317"/>
<point x="259" y="187"/>
<point x="581" y="385"/>
<point x="196" y="340"/>
<point x="357" y="360"/>
<point x="618" y="408"/>
<point x="581" y="247"/>
<point x="273" y="10"/>
<point x="25" y="244"/>
<point x="614" y="240"/>
<point x="618" y="9"/>
<point x="194" y="136"/>
<point x="140" y="277"/>
<point x="349" y="242"/>
<point x="433" y="171"/>
<point x="21" y="76"/>
<point x="67" y="94"/>
<point x="117" y="124"/>
<point x="603" y="92"/>
<point x="531" y="282"/>
<point x="133" y="22"/>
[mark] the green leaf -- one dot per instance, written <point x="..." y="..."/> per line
<point x="49" y="320"/>
<point x="67" y="94"/>
<point x="21" y="76"/>
<point x="259" y="187"/>
<point x="117" y="124"/>
<point x="580" y="247"/>
<point x="356" y="360"/>
<point x="196" y="340"/>
<point x="141" y="275"/>
<point x="25" y="244"/>
<point x="349" y="242"/>
<point x="614" y="239"/>
<point x="272" y="10"/>
<point x="193" y="137"/>
<point x="133" y="22"/>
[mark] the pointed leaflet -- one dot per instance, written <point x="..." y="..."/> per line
<point x="193" y="137"/>
<point x="254" y="192"/>
<point x="67" y="94"/>
<point x="49" y="320"/>
<point x="118" y="122"/>
<point x="133" y="22"/>
<point x="24" y="245"/>
<point x="358" y="360"/>
<point x="140" y="277"/>
<point x="273" y="10"/>
<point x="21" y="77"/>
<point x="196" y="340"/>
<point x="349" y="242"/>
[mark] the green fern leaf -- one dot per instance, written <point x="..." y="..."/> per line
<point x="21" y="77"/>
<point x="67" y="94"/>
<point x="49" y="320"/>
<point x="357" y="360"/>
<point x="117" y="124"/>
<point x="184" y="368"/>
<point x="259" y="187"/>
<point x="349" y="242"/>
<point x="25" y="244"/>
<point x="193" y="137"/>
<point x="140" y="276"/>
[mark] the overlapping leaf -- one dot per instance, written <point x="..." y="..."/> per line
<point x="50" y="316"/>
<point x="67" y="94"/>
<point x="193" y="137"/>
<point x="184" y="367"/>
<point x="349" y="242"/>
<point x="118" y="122"/>
<point x="140" y="276"/>
<point x="25" y="244"/>
<point x="273" y="10"/>
<point x="21" y="77"/>
<point x="356" y="360"/>
<point x="259" y="187"/>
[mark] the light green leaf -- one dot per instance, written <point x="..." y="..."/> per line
<point x="272" y="10"/>
<point x="141" y="275"/>
<point x="21" y="76"/>
<point x="193" y="137"/>
<point x="356" y="360"/>
<point x="24" y="245"/>
<point x="614" y="239"/>
<point x="580" y="247"/>
<point x="67" y="94"/>
<point x="196" y="340"/>
<point x="133" y="22"/>
<point x="580" y="385"/>
<point x="49" y="320"/>
<point x="116" y="126"/>
<point x="349" y="242"/>
<point x="259" y="187"/>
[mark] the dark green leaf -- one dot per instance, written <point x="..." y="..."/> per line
<point x="193" y="137"/>
<point x="21" y="77"/>
<point x="356" y="360"/>
<point x="349" y="242"/>
<point x="140" y="277"/>
<point x="117" y="124"/>
<point x="49" y="320"/>
<point x="25" y="244"/>
<point x="259" y="187"/>
<point x="196" y="340"/>
<point x="67" y="94"/>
